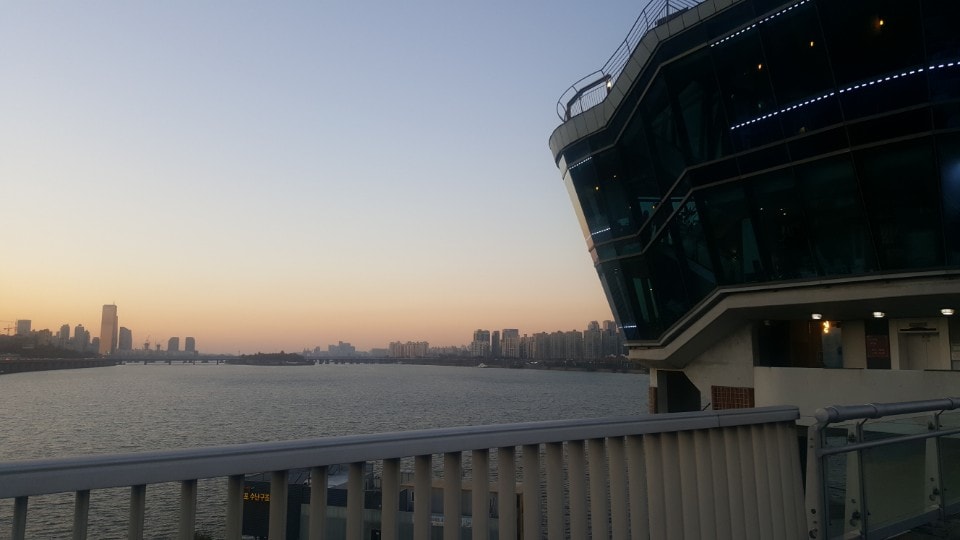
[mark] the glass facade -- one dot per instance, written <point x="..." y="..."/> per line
<point x="819" y="138"/>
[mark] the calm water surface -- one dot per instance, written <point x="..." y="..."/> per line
<point x="134" y="407"/>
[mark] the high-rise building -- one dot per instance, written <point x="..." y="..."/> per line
<point x="769" y="190"/>
<point x="593" y="342"/>
<point x="511" y="343"/>
<point x="109" y="329"/>
<point x="189" y="345"/>
<point x="23" y="327"/>
<point x="125" y="341"/>
<point x="480" y="346"/>
<point x="63" y="336"/>
<point x="81" y="338"/>
<point x="495" y="350"/>
<point x="173" y="344"/>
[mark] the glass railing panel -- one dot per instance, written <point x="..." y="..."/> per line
<point x="950" y="470"/>
<point x="895" y="482"/>
<point x="893" y="427"/>
<point x="837" y="501"/>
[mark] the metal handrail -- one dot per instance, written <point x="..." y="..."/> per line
<point x="818" y="511"/>
<point x="655" y="13"/>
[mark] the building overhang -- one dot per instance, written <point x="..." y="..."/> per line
<point x="913" y="295"/>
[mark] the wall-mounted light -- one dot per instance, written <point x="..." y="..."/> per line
<point x="826" y="327"/>
<point x="816" y="316"/>
<point x="947" y="311"/>
<point x="878" y="314"/>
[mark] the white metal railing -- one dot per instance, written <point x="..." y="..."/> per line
<point x="879" y="470"/>
<point x="717" y="474"/>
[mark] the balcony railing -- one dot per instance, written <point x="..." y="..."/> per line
<point x="876" y="471"/>
<point x="721" y="474"/>
<point x="592" y="89"/>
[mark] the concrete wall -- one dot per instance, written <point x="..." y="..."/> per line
<point x="728" y="363"/>
<point x="811" y="389"/>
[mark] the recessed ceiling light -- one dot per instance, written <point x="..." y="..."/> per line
<point x="878" y="314"/>
<point x="816" y="316"/>
<point x="947" y="311"/>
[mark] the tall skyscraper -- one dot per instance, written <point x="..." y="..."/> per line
<point x="480" y="346"/>
<point x="173" y="344"/>
<point x="510" y="344"/>
<point x="23" y="327"/>
<point x="125" y="343"/>
<point x="63" y="337"/>
<point x="109" y="329"/>
<point x="81" y="338"/>
<point x="495" y="344"/>
<point x="189" y="345"/>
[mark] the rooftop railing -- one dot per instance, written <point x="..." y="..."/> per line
<point x="880" y="470"/>
<point x="717" y="474"/>
<point x="591" y="90"/>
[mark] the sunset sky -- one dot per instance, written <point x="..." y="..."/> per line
<point x="281" y="175"/>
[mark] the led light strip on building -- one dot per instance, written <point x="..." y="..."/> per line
<point x="851" y="88"/>
<point x="761" y="21"/>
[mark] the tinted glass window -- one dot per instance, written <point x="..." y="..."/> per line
<point x="889" y="29"/>
<point x="834" y="217"/>
<point x="729" y="227"/>
<point x="900" y="189"/>
<point x="782" y="226"/>
<point x="693" y="87"/>
<point x="949" y="154"/>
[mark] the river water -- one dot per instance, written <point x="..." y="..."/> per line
<point x="135" y="407"/>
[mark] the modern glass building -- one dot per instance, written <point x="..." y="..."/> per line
<point x="775" y="185"/>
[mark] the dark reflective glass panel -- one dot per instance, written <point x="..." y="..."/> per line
<point x="729" y="229"/>
<point x="614" y="281"/>
<point x="586" y="184"/>
<point x="948" y="149"/>
<point x="796" y="55"/>
<point x="613" y="191"/>
<point x="899" y="184"/>
<point x="664" y="132"/>
<point x="942" y="40"/>
<point x="698" y="272"/>
<point x="867" y="38"/>
<point x="694" y="93"/>
<point x="744" y="81"/>
<point x="834" y="217"/>
<point x="782" y="226"/>
<point x="640" y="180"/>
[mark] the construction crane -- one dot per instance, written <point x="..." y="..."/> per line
<point x="8" y="329"/>
<point x="146" y="344"/>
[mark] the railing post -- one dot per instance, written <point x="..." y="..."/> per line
<point x="19" y="518"/>
<point x="507" y="499"/>
<point x="576" y="472"/>
<point x="277" y="529"/>
<point x="318" y="503"/>
<point x="138" y="505"/>
<point x="531" y="491"/>
<point x="234" y="507"/>
<point x="390" y="500"/>
<point x="618" y="488"/>
<point x="188" y="509"/>
<point x="422" y="486"/>
<point x="596" y="459"/>
<point x="637" y="479"/>
<point x="355" y="501"/>
<point x="554" y="453"/>
<point x="481" y="494"/>
<point x="452" y="489"/>
<point x="81" y="509"/>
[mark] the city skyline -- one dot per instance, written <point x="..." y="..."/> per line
<point x="277" y="173"/>
<point x="125" y="340"/>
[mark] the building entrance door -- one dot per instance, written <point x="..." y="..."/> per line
<point x="919" y="350"/>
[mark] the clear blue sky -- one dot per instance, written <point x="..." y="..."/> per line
<point x="267" y="175"/>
